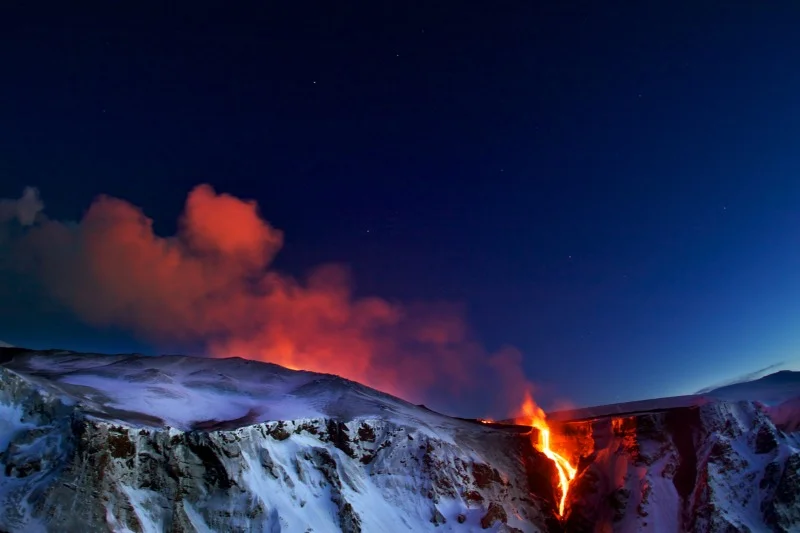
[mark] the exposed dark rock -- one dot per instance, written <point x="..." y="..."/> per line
<point x="618" y="502"/>
<point x="720" y="451"/>
<point x="645" y="490"/>
<point x="772" y="474"/>
<point x="84" y="469"/>
<point x="337" y="434"/>
<point x="119" y="444"/>
<point x="214" y="471"/>
<point x="495" y="513"/>
<point x="367" y="458"/>
<point x="782" y="512"/>
<point x="307" y="427"/>
<point x="366" y="433"/>
<point x="682" y="425"/>
<point x="349" y="521"/>
<point x="540" y="471"/>
<point x="485" y="475"/>
<point x="438" y="518"/>
<point x="279" y="432"/>
<point x="473" y="496"/>
<point x="765" y="440"/>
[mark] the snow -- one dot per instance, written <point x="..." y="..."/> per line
<point x="143" y="502"/>
<point x="10" y="424"/>
<point x="299" y="482"/>
<point x="780" y="392"/>
<point x="786" y="415"/>
<point x="185" y="392"/>
<point x="115" y="524"/>
<point x="770" y="390"/>
<point x="173" y="396"/>
<point x="629" y="408"/>
<point x="196" y="519"/>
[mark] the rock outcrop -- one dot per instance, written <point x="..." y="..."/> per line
<point x="716" y="467"/>
<point x="95" y="443"/>
<point x="73" y="464"/>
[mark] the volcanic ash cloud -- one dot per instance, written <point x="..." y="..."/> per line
<point x="212" y="283"/>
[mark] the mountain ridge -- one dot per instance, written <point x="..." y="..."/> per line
<point x="191" y="444"/>
<point x="128" y="443"/>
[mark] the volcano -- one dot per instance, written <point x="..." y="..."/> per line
<point x="93" y="442"/>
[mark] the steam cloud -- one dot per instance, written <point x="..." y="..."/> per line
<point x="24" y="210"/>
<point x="212" y="283"/>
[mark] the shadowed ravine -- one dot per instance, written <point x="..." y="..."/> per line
<point x="715" y="467"/>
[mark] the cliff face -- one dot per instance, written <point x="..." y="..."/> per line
<point x="72" y="460"/>
<point x="714" y="467"/>
<point x="127" y="443"/>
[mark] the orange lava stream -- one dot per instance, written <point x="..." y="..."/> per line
<point x="566" y="472"/>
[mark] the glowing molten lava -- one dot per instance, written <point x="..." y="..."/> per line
<point x="566" y="472"/>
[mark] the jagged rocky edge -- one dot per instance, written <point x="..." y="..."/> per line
<point x="65" y="467"/>
<point x="719" y="467"/>
<point x="35" y="443"/>
<point x="748" y="473"/>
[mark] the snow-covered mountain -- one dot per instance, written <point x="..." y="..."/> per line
<point x="132" y="443"/>
<point x="773" y="389"/>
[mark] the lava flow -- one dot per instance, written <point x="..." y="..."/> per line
<point x="566" y="472"/>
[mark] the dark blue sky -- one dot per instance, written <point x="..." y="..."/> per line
<point x="614" y="190"/>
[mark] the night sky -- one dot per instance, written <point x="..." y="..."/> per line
<point x="614" y="191"/>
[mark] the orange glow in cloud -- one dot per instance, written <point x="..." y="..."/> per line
<point x="212" y="283"/>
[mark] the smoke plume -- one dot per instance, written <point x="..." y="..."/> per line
<point x="24" y="209"/>
<point x="212" y="283"/>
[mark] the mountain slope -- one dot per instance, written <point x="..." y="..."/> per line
<point x="131" y="443"/>
<point x="772" y="389"/>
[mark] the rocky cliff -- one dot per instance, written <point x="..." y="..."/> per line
<point x="129" y="443"/>
<point x="77" y="456"/>
<point x="715" y="467"/>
